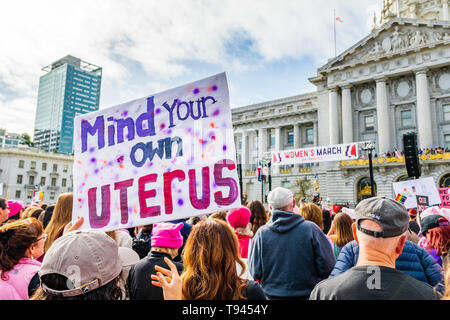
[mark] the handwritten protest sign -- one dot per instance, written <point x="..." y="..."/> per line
<point x="422" y="203"/>
<point x="160" y="158"/>
<point x="444" y="193"/>
<point x="412" y="188"/>
<point x="338" y="152"/>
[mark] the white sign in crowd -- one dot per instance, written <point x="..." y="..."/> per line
<point x="164" y="157"/>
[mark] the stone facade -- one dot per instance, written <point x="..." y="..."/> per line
<point x="23" y="170"/>
<point x="395" y="80"/>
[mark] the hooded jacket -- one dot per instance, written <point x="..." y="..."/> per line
<point x="289" y="255"/>
<point x="413" y="260"/>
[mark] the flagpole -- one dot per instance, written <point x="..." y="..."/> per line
<point x="334" y="24"/>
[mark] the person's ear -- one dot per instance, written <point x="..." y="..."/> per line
<point x="400" y="244"/>
<point x="354" y="232"/>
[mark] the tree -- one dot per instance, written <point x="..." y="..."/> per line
<point x="26" y="139"/>
<point x="304" y="189"/>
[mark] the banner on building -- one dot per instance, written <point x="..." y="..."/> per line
<point x="412" y="188"/>
<point x="444" y="193"/>
<point x="164" y="157"/>
<point x="347" y="151"/>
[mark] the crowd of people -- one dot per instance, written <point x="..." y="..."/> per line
<point x="398" y="154"/>
<point x="290" y="251"/>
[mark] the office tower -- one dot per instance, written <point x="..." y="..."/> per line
<point x="69" y="88"/>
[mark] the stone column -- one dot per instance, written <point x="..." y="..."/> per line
<point x="244" y="151"/>
<point x="297" y="142"/>
<point x="347" y="115"/>
<point x="423" y="110"/>
<point x="276" y="169"/>
<point x="297" y="137"/>
<point x="316" y="133"/>
<point x="333" y="116"/>
<point x="444" y="10"/>
<point x="262" y="142"/>
<point x="383" y="124"/>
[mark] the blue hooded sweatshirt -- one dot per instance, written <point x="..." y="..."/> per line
<point x="289" y="255"/>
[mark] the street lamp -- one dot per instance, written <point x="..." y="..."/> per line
<point x="369" y="146"/>
<point x="239" y="171"/>
<point x="265" y="162"/>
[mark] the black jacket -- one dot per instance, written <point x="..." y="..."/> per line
<point x="139" y="283"/>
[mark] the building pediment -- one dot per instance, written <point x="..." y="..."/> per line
<point x="397" y="37"/>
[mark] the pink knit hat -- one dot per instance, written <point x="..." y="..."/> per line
<point x="14" y="207"/>
<point x="167" y="235"/>
<point x="239" y="218"/>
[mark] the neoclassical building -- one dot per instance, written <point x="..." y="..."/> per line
<point x="393" y="81"/>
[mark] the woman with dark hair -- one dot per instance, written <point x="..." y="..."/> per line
<point x="210" y="260"/>
<point x="45" y="216"/>
<point x="259" y="216"/>
<point x="21" y="243"/>
<point x="4" y="210"/>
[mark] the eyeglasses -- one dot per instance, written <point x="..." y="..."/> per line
<point x="44" y="236"/>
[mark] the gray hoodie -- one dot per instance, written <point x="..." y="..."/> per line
<point x="289" y="255"/>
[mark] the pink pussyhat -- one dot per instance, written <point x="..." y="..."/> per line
<point x="167" y="235"/>
<point x="14" y="207"/>
<point x="239" y="218"/>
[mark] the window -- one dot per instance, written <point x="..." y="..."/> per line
<point x="290" y="137"/>
<point x="30" y="194"/>
<point x="52" y="195"/>
<point x="447" y="141"/>
<point x="309" y="135"/>
<point x="44" y="166"/>
<point x="55" y="167"/>
<point x="272" y="139"/>
<point x="369" y="123"/>
<point x="63" y="182"/>
<point x="17" y="194"/>
<point x="31" y="180"/>
<point x="406" y="118"/>
<point x="53" y="182"/>
<point x="65" y="168"/>
<point x="42" y="181"/>
<point x="446" y="109"/>
<point x="19" y="179"/>
<point x="21" y="164"/>
<point x="33" y="165"/>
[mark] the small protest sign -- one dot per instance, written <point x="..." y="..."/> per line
<point x="444" y="193"/>
<point x="163" y="157"/>
<point x="422" y="203"/>
<point x="411" y="188"/>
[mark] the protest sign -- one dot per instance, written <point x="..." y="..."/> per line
<point x="411" y="188"/>
<point x="444" y="193"/>
<point x="338" y="152"/>
<point x="422" y="203"/>
<point x="160" y="158"/>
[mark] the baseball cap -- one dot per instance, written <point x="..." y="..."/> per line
<point x="432" y="221"/>
<point x="391" y="215"/>
<point x="88" y="258"/>
<point x="280" y="197"/>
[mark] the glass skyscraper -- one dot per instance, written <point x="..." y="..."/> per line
<point x="70" y="87"/>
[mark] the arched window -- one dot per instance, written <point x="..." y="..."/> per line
<point x="402" y="178"/>
<point x="445" y="181"/>
<point x="363" y="189"/>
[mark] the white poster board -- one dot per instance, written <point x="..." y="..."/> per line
<point x="164" y="157"/>
<point x="418" y="187"/>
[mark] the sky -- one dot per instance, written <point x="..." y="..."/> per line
<point x="267" y="48"/>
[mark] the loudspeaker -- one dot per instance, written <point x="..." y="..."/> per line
<point x="411" y="156"/>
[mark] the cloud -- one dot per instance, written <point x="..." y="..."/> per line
<point x="144" y="45"/>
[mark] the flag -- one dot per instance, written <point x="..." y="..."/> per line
<point x="339" y="19"/>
